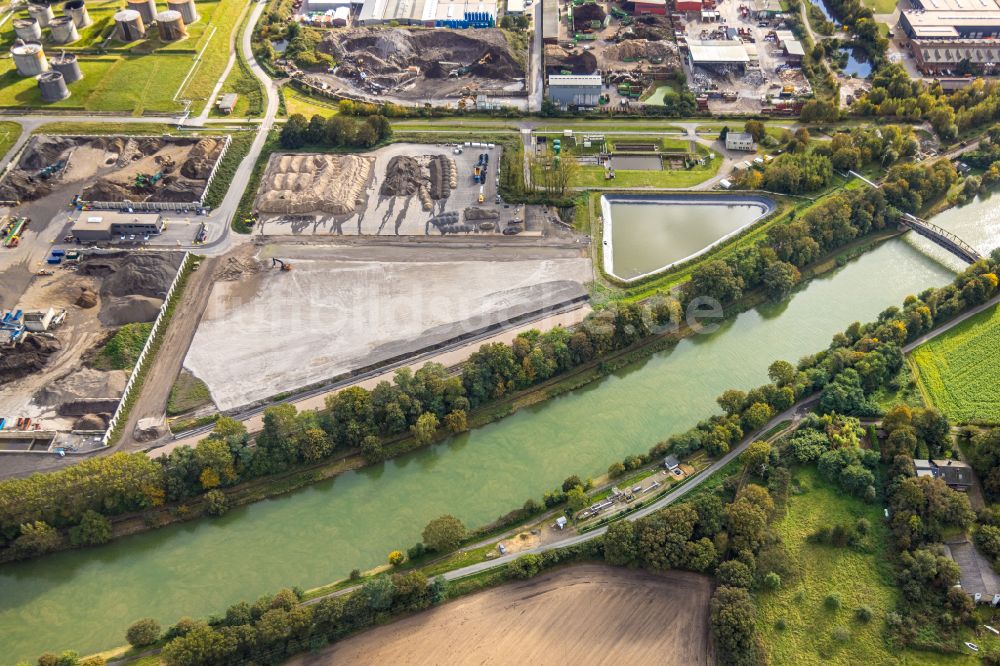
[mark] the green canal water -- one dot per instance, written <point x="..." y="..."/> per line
<point x="84" y="600"/>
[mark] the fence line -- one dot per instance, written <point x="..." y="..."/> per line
<point x="145" y="351"/>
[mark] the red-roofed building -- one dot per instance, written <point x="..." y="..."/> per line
<point x="652" y="7"/>
<point x="688" y="5"/>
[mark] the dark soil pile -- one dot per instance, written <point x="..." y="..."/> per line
<point x="474" y="213"/>
<point x="403" y="177"/>
<point x="28" y="357"/>
<point x="558" y="60"/>
<point x="133" y="285"/>
<point x="584" y="14"/>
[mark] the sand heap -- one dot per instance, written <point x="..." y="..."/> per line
<point x="333" y="184"/>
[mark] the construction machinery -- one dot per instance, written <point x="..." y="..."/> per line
<point x="285" y="266"/>
<point x="143" y="180"/>
<point x="51" y="169"/>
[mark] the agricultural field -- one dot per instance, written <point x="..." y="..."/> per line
<point x="298" y="102"/>
<point x="143" y="76"/>
<point x="859" y="576"/>
<point x="587" y="613"/>
<point x="958" y="371"/>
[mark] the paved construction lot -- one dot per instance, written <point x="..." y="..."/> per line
<point x="380" y="214"/>
<point x="344" y="307"/>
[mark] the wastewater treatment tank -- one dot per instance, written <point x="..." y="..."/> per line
<point x="186" y="8"/>
<point x="129" y="26"/>
<point x="41" y="13"/>
<point x="52" y="87"/>
<point x="77" y="10"/>
<point x="63" y="30"/>
<point x="170" y="25"/>
<point x="67" y="65"/>
<point x="28" y="29"/>
<point x="29" y="58"/>
<point x="146" y="9"/>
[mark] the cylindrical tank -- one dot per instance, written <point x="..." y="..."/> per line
<point x="67" y="65"/>
<point x="78" y="10"/>
<point x="41" y="13"/>
<point x="63" y="30"/>
<point x="130" y="26"/>
<point x="186" y="8"/>
<point x="28" y="29"/>
<point x="29" y="58"/>
<point x="146" y="9"/>
<point x="52" y="86"/>
<point x="170" y="25"/>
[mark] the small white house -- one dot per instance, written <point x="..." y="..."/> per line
<point x="740" y="141"/>
<point x="561" y="522"/>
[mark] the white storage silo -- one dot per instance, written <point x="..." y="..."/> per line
<point x="67" y="65"/>
<point x="170" y="25"/>
<point x="187" y="10"/>
<point x="41" y="13"/>
<point x="146" y="9"/>
<point x="52" y="87"/>
<point x="63" y="30"/>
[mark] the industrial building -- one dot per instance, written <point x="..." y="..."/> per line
<point x="430" y="13"/>
<point x="937" y="55"/>
<point x="740" y="141"/>
<point x="226" y="103"/>
<point x="955" y="19"/>
<point x="515" y="7"/>
<point x="568" y="90"/>
<point x="330" y="5"/>
<point x="716" y="53"/>
<point x="550" y="21"/>
<point x="651" y="7"/>
<point x="105" y="225"/>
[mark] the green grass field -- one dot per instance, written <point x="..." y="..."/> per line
<point x="9" y="134"/>
<point x="143" y="76"/>
<point x="880" y="6"/>
<point x="123" y="349"/>
<point x="593" y="176"/>
<point x="858" y="577"/>
<point x="958" y="371"/>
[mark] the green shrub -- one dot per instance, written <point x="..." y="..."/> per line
<point x="832" y="602"/>
<point x="143" y="632"/>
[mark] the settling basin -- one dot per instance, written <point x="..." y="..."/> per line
<point x="647" y="234"/>
<point x="85" y="599"/>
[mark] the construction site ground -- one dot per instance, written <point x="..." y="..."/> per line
<point x="755" y="84"/>
<point x="348" y="306"/>
<point x="408" y="65"/>
<point x="47" y="376"/>
<point x="373" y="211"/>
<point x="110" y="168"/>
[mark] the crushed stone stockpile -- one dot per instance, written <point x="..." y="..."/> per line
<point x="114" y="168"/>
<point x="84" y="384"/>
<point x="332" y="184"/>
<point x="387" y="54"/>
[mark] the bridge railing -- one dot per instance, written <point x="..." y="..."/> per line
<point x="913" y="221"/>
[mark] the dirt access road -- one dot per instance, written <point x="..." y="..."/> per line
<point x="586" y="614"/>
<point x="155" y="390"/>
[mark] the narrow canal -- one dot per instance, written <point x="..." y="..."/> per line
<point x="84" y="600"/>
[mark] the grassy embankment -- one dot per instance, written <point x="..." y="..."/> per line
<point x="123" y="349"/>
<point x="9" y="134"/>
<point x="593" y="176"/>
<point x="958" y="372"/>
<point x="143" y="76"/>
<point x="242" y="81"/>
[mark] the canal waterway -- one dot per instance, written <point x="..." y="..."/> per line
<point x="84" y="600"/>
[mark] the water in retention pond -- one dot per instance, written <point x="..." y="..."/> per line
<point x="84" y="600"/>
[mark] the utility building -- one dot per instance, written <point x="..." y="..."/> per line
<point x="104" y="226"/>
<point x="568" y="90"/>
<point x="740" y="141"/>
